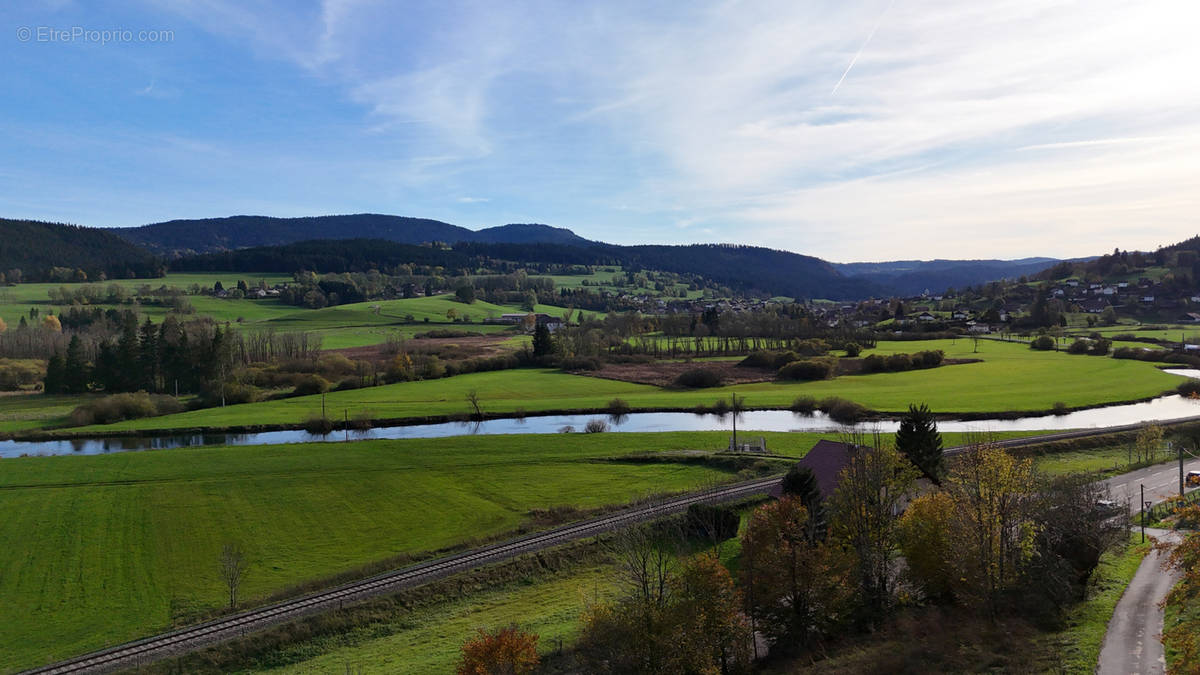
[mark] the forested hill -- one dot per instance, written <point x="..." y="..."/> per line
<point x="185" y="237"/>
<point x="911" y="277"/>
<point x="745" y="268"/>
<point x="58" y="252"/>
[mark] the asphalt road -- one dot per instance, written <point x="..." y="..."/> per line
<point x="1161" y="481"/>
<point x="1132" y="643"/>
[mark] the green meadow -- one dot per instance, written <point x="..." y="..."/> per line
<point x="1010" y="377"/>
<point x="103" y="549"/>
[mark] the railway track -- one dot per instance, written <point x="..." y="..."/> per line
<point x="148" y="650"/>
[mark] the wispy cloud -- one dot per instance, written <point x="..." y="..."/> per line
<point x="473" y="200"/>
<point x="957" y="128"/>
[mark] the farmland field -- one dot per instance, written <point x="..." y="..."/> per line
<point x="1010" y="377"/>
<point x="113" y="547"/>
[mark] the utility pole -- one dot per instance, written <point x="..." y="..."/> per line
<point x="1181" y="469"/>
<point x="1143" y="513"/>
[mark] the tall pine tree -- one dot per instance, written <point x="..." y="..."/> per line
<point x="918" y="439"/>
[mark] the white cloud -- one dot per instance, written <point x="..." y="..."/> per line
<point x="726" y="109"/>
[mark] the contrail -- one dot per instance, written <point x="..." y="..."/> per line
<point x="864" y="46"/>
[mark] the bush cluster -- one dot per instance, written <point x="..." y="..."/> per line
<point x="1042" y="343"/>
<point x="119" y="407"/>
<point x="844" y="411"/>
<point x="1092" y="346"/>
<point x="15" y="374"/>
<point x="698" y="378"/>
<point x="895" y="363"/>
<point x="809" y="369"/>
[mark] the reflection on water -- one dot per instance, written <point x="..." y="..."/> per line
<point x="1164" y="408"/>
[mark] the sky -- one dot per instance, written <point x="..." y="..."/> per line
<point x="870" y="130"/>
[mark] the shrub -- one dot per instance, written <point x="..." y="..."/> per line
<point x="1190" y="389"/>
<point x="317" y="425"/>
<point x="928" y="359"/>
<point x="853" y="349"/>
<point x="119" y="407"/>
<point x="1043" y="343"/>
<point x="813" y="347"/>
<point x="568" y="429"/>
<point x="874" y="364"/>
<point x="347" y="383"/>
<point x="698" y="378"/>
<point x="844" y="411"/>
<point x="618" y="406"/>
<point x="809" y="369"/>
<point x="721" y="407"/>
<point x="311" y="384"/>
<point x="595" y="426"/>
<point x="899" y="362"/>
<point x="715" y="522"/>
<point x="1100" y="347"/>
<point x="1080" y="346"/>
<point x="1059" y="408"/>
<point x="804" y="405"/>
<point x="14" y="374"/>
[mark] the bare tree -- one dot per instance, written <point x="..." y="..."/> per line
<point x="647" y="560"/>
<point x="473" y="399"/>
<point x="233" y="569"/>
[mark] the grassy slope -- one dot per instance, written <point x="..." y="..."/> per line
<point x="107" y="548"/>
<point x="1011" y="377"/>
<point x="429" y="639"/>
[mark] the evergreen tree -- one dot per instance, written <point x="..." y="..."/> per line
<point x="801" y="482"/>
<point x="543" y="344"/>
<point x="75" y="370"/>
<point x="918" y="439"/>
<point x="148" y="367"/>
<point x="54" y="383"/>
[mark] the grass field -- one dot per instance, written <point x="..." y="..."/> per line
<point x="24" y="412"/>
<point x="428" y="640"/>
<point x="1011" y="377"/>
<point x="107" y="548"/>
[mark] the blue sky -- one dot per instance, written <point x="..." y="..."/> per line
<point x="874" y="130"/>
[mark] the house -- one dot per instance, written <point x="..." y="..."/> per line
<point x="1095" y="305"/>
<point x="1190" y="317"/>
<point x="826" y="460"/>
<point x="926" y="316"/>
<point x="1147" y="299"/>
<point x="978" y="328"/>
<point x="960" y="314"/>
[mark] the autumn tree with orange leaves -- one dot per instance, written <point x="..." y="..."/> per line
<point x="796" y="590"/>
<point x="507" y="651"/>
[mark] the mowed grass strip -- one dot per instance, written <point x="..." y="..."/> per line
<point x="103" y="549"/>
<point x="1010" y="377"/>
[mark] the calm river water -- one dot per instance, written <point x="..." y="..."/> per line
<point x="1159" y="409"/>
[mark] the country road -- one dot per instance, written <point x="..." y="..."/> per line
<point x="1132" y="644"/>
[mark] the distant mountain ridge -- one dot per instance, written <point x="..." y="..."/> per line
<point x="206" y="235"/>
<point x="912" y="277"/>
<point x="133" y="251"/>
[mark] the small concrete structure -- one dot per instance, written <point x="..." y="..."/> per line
<point x="759" y="447"/>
